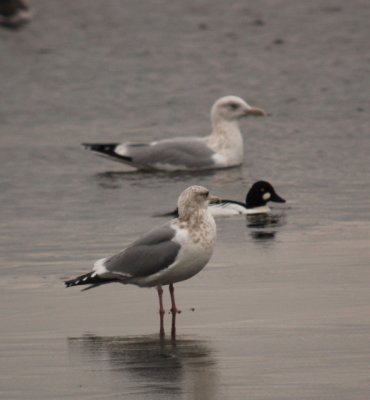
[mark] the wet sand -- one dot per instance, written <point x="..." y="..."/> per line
<point x="282" y="310"/>
<point x="292" y="327"/>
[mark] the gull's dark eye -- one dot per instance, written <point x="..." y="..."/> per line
<point x="234" y="106"/>
<point x="204" y="195"/>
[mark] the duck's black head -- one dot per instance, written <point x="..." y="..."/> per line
<point x="261" y="193"/>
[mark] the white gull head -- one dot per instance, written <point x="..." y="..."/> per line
<point x="226" y="139"/>
<point x="192" y="201"/>
<point x="232" y="108"/>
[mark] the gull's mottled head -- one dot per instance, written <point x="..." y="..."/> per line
<point x="192" y="200"/>
<point x="231" y="108"/>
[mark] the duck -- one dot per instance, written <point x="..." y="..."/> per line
<point x="260" y="193"/>
<point x="223" y="148"/>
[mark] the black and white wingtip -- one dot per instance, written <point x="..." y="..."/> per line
<point x="105" y="148"/>
<point x="108" y="150"/>
<point x="88" y="279"/>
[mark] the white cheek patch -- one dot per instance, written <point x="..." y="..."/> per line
<point x="266" y="196"/>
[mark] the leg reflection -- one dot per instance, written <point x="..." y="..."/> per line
<point x="174" y="311"/>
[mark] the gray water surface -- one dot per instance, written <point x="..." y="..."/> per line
<point x="282" y="310"/>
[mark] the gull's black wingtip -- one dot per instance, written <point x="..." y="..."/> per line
<point x="102" y="147"/>
<point x="86" y="279"/>
<point x="107" y="149"/>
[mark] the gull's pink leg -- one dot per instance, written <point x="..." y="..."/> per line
<point x="161" y="310"/>
<point x="174" y="311"/>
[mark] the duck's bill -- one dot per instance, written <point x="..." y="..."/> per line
<point x="276" y="198"/>
<point x="214" y="199"/>
<point x="257" y="112"/>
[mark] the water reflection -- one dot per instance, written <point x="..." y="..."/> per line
<point x="113" y="179"/>
<point x="263" y="235"/>
<point x="150" y="366"/>
<point x="265" y="226"/>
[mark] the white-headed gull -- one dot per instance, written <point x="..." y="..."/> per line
<point x="223" y="148"/>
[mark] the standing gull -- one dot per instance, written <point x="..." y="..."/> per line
<point x="168" y="254"/>
<point x="223" y="148"/>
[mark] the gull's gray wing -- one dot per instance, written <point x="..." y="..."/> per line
<point x="192" y="153"/>
<point x="146" y="256"/>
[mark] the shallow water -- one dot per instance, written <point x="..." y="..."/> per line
<point x="282" y="310"/>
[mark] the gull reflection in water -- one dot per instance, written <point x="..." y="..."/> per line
<point x="151" y="367"/>
<point x="115" y="179"/>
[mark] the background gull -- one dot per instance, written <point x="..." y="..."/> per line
<point x="168" y="254"/>
<point x="223" y="148"/>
